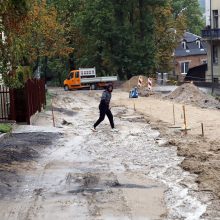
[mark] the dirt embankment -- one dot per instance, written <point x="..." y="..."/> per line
<point x="202" y="157"/>
<point x="188" y="93"/>
<point x="202" y="154"/>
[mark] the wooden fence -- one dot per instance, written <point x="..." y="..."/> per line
<point x="35" y="97"/>
<point x="20" y="104"/>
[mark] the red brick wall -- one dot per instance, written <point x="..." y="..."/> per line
<point x="193" y="61"/>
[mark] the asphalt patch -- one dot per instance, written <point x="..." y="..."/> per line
<point x="24" y="146"/>
<point x="16" y="149"/>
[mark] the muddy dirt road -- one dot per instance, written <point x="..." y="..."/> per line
<point x="69" y="172"/>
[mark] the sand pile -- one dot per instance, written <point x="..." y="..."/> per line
<point x="188" y="93"/>
<point x="128" y="85"/>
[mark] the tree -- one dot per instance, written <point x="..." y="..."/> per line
<point x="38" y="35"/>
<point x="193" y="13"/>
<point x="12" y="15"/>
<point x="169" y="31"/>
<point x="67" y="13"/>
<point x="119" y="36"/>
<point x="124" y="37"/>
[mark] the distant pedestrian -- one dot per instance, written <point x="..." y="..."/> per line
<point x="104" y="108"/>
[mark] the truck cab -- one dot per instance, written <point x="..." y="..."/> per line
<point x="72" y="81"/>
<point x="86" y="78"/>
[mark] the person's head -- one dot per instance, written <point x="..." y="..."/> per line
<point x="109" y="88"/>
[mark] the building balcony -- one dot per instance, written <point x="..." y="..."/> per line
<point x="209" y="34"/>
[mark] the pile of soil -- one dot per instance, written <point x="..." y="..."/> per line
<point x="132" y="82"/>
<point x="188" y="93"/>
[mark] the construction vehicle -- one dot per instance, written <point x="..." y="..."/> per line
<point x="86" y="78"/>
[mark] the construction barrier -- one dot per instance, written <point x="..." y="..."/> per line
<point x="149" y="83"/>
<point x="140" y="81"/>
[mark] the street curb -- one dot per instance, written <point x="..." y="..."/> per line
<point x="4" y="135"/>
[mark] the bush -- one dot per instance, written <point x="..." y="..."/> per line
<point x="5" y="128"/>
<point x="17" y="80"/>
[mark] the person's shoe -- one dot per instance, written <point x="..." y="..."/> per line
<point x="115" y="130"/>
<point x="93" y="129"/>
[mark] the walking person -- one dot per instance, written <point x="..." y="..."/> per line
<point x="104" y="108"/>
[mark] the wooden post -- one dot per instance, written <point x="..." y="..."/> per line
<point x="184" y="115"/>
<point x="134" y="106"/>
<point x="174" y="118"/>
<point x="202" y="130"/>
<point x="52" y="113"/>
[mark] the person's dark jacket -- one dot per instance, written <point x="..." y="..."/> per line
<point x="105" y="99"/>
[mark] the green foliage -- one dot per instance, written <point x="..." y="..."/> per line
<point x="13" y="82"/>
<point x="118" y="36"/>
<point x="5" y="128"/>
<point x="32" y="32"/>
<point x="123" y="37"/>
<point x="193" y="13"/>
<point x="18" y="79"/>
<point x="57" y="70"/>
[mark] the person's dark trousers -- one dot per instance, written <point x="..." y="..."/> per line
<point x="104" y="110"/>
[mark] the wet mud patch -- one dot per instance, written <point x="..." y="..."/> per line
<point x="85" y="190"/>
<point x="8" y="181"/>
<point x="17" y="153"/>
<point x="99" y="182"/>
<point x="24" y="146"/>
<point x="135" y="186"/>
<point x="64" y="111"/>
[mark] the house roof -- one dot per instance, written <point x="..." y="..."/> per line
<point x="189" y="37"/>
<point x="192" y="48"/>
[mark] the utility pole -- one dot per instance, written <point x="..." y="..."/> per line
<point x="211" y="44"/>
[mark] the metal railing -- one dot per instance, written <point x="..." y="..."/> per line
<point x="4" y="103"/>
<point x="214" y="33"/>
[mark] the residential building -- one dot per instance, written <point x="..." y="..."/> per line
<point x="212" y="35"/>
<point x="191" y="52"/>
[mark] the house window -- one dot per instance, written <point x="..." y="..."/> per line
<point x="198" y="42"/>
<point x="215" y="54"/>
<point x="215" y="18"/>
<point x="184" y="67"/>
<point x="184" y="44"/>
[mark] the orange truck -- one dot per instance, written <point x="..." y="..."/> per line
<point x="86" y="78"/>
